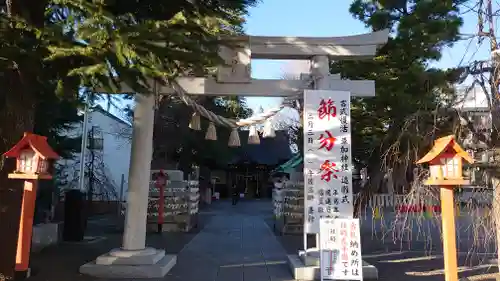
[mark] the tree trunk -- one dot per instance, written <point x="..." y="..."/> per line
<point x="495" y="181"/>
<point x="496" y="212"/>
<point x="17" y="110"/>
<point x="495" y="143"/>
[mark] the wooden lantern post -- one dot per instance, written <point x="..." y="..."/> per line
<point x="34" y="156"/>
<point x="445" y="163"/>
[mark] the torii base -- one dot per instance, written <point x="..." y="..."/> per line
<point x="307" y="268"/>
<point x="147" y="263"/>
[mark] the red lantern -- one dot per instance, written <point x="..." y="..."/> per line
<point x="33" y="155"/>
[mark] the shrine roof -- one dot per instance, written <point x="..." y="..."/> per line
<point x="37" y="143"/>
<point x="270" y="151"/>
<point x="296" y="161"/>
<point x="443" y="145"/>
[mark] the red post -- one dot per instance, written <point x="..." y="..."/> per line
<point x="26" y="226"/>
<point x="161" y="207"/>
<point x="39" y="153"/>
<point x="161" y="181"/>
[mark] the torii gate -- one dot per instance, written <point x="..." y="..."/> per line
<point x="134" y="259"/>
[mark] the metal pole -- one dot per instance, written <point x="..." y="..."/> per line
<point x="90" y="190"/>
<point x="305" y="241"/>
<point x="81" y="183"/>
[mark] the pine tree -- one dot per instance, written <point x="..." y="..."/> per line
<point x="103" y="44"/>
<point x="391" y="130"/>
<point x="96" y="44"/>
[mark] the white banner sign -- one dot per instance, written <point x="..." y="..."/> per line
<point x="340" y="249"/>
<point x="327" y="157"/>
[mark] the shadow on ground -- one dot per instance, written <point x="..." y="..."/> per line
<point x="410" y="266"/>
<point x="62" y="262"/>
<point x="405" y="260"/>
<point x="395" y="260"/>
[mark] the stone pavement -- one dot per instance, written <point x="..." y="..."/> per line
<point x="235" y="245"/>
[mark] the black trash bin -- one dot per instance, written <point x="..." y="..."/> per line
<point x="75" y="219"/>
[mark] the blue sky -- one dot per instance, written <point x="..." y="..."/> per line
<point x="329" y="18"/>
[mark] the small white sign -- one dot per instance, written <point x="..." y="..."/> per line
<point x="340" y="249"/>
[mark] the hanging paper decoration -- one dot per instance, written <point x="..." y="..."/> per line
<point x="253" y="136"/>
<point x="211" y="132"/>
<point x="268" y="129"/>
<point x="195" y="123"/>
<point x="227" y="122"/>
<point x="234" y="138"/>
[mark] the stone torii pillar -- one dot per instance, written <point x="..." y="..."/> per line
<point x="134" y="239"/>
<point x="134" y="259"/>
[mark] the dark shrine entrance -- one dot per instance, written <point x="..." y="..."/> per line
<point x="248" y="167"/>
<point x="251" y="179"/>
<point x="251" y="164"/>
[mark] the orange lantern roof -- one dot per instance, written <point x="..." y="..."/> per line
<point x="443" y="145"/>
<point x="38" y="143"/>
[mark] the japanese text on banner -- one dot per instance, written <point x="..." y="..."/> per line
<point x="327" y="157"/>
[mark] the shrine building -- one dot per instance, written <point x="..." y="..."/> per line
<point x="250" y="165"/>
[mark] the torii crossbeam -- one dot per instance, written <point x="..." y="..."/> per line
<point x="235" y="79"/>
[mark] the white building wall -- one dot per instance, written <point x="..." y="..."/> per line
<point x="110" y="163"/>
<point x="473" y="100"/>
<point x="474" y="105"/>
